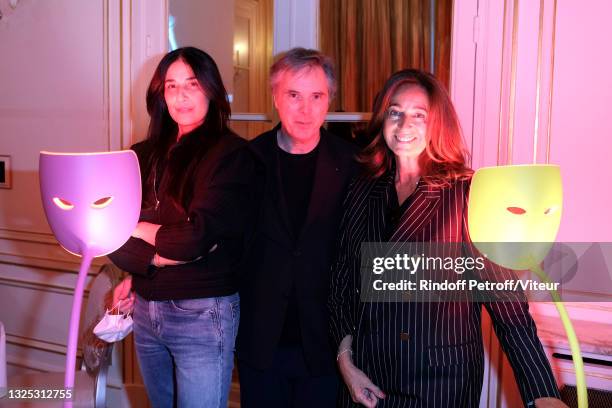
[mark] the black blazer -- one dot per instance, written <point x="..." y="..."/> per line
<point x="426" y="354"/>
<point x="277" y="259"/>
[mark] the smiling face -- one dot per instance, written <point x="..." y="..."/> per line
<point x="186" y="100"/>
<point x="405" y="125"/>
<point x="302" y="101"/>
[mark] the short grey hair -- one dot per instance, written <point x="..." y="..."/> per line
<point x="299" y="58"/>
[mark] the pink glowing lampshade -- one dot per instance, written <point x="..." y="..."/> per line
<point x="92" y="203"/>
<point x="92" y="200"/>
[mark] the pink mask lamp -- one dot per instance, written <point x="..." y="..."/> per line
<point x="92" y="203"/>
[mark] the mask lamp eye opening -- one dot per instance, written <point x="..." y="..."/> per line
<point x="63" y="204"/>
<point x="516" y="210"/>
<point x="102" y="202"/>
<point x="550" y="210"/>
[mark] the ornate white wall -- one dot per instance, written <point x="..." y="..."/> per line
<point x="60" y="90"/>
<point x="532" y="84"/>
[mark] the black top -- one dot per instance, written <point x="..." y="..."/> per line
<point x="395" y="209"/>
<point x="297" y="175"/>
<point x="210" y="230"/>
<point x="278" y="262"/>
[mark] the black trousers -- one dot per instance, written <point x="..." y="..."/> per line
<point x="286" y="383"/>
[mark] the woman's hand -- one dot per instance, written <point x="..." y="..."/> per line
<point x="146" y="231"/>
<point x="123" y="293"/>
<point x="362" y="390"/>
<point x="159" y="261"/>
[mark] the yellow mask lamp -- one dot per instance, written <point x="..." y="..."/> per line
<point x="514" y="214"/>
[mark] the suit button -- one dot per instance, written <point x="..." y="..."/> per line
<point x="404" y="336"/>
<point x="297" y="253"/>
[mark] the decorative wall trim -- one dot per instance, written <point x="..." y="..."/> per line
<point x="348" y="116"/>
<point x="32" y="364"/>
<point x="39" y="250"/>
<point x="587" y="311"/>
<point x="536" y="124"/>
<point x="551" y="81"/>
<point x="43" y="287"/>
<point x="544" y="81"/>
<point x="501" y="86"/>
<point x="296" y="24"/>
<point x="330" y="117"/>
<point x="512" y="103"/>
<point x="27" y="236"/>
<point x="38" y="344"/>
<point x="467" y="38"/>
<point x="148" y="39"/>
<point x="106" y="73"/>
<point x="114" y="72"/>
<point x="48" y="264"/>
<point x="125" y="120"/>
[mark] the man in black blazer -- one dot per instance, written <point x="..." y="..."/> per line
<point x="284" y="354"/>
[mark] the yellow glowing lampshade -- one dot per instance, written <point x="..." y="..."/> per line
<point x="514" y="213"/>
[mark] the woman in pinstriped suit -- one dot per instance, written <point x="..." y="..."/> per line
<point x="414" y="189"/>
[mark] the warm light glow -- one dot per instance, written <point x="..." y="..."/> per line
<point x="239" y="47"/>
<point x="63" y="204"/>
<point x="98" y="229"/>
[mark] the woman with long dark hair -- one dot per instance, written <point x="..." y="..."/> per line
<point x="183" y="253"/>
<point x="414" y="189"/>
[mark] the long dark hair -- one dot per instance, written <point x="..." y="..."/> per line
<point x="183" y="156"/>
<point x="445" y="156"/>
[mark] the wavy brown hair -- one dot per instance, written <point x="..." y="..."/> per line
<point x="445" y="156"/>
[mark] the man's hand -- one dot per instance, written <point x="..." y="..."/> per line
<point x="549" y="403"/>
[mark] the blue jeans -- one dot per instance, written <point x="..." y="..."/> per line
<point x="190" y="342"/>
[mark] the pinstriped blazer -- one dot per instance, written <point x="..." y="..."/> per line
<point x="425" y="354"/>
